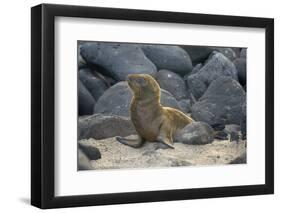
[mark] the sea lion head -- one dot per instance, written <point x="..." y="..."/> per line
<point x="143" y="86"/>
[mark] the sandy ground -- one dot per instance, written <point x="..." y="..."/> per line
<point x="115" y="155"/>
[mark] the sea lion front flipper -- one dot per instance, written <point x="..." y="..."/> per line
<point x="133" y="142"/>
<point x="165" y="137"/>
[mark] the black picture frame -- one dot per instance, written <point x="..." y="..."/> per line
<point x="43" y="102"/>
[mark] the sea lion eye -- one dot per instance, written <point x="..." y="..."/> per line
<point x="141" y="81"/>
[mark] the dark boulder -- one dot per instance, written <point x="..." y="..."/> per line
<point x="195" y="69"/>
<point x="230" y="53"/>
<point x="216" y="66"/>
<point x="117" y="60"/>
<point x="243" y="53"/>
<point x="232" y="128"/>
<point x="196" y="133"/>
<point x="83" y="161"/>
<point x="100" y="126"/>
<point x="116" y="100"/>
<point x="90" y="151"/>
<point x="81" y="63"/>
<point x="221" y="103"/>
<point x="185" y="105"/>
<point x="173" y="83"/>
<point x="198" y="54"/>
<point x="86" y="102"/>
<point x="243" y="122"/>
<point x="95" y="85"/>
<point x="237" y="51"/>
<point x="169" y="57"/>
<point x="240" y="64"/>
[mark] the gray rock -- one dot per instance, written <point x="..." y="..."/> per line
<point x="221" y="104"/>
<point x="118" y="156"/>
<point x="195" y="69"/>
<point x="116" y="100"/>
<point x="95" y="86"/>
<point x="196" y="133"/>
<point x="221" y="135"/>
<point x="108" y="80"/>
<point x="169" y="57"/>
<point x="86" y="102"/>
<point x="198" y="54"/>
<point x="243" y="122"/>
<point x="90" y="151"/>
<point x="196" y="86"/>
<point x="118" y="60"/>
<point x="243" y="53"/>
<point x="100" y="126"/>
<point x="218" y="65"/>
<point x="81" y="62"/>
<point x="83" y="161"/>
<point x="185" y="105"/>
<point x="234" y="137"/>
<point x="240" y="64"/>
<point x="228" y="52"/>
<point x="232" y="128"/>
<point x="173" y="83"/>
<point x="168" y="100"/>
<point x="237" y="51"/>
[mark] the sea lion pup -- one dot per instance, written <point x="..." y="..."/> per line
<point x="152" y="121"/>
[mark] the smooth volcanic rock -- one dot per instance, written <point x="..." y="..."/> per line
<point x="90" y="151"/>
<point x="195" y="69"/>
<point x="221" y="104"/>
<point x="86" y="102"/>
<point x="243" y="122"/>
<point x="233" y="131"/>
<point x="169" y="57"/>
<point x="230" y="53"/>
<point x="172" y="83"/>
<point x="95" y="86"/>
<point x="198" y="54"/>
<point x="237" y="51"/>
<point x="185" y="105"/>
<point x="240" y="64"/>
<point x="100" y="126"/>
<point x="83" y="161"/>
<point x="216" y="66"/>
<point x="81" y="62"/>
<point x="196" y="133"/>
<point x="116" y="100"/>
<point x="118" y="60"/>
<point x="115" y="155"/>
<point x="243" y="53"/>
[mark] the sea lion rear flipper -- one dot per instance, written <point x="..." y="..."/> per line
<point x="167" y="142"/>
<point x="136" y="142"/>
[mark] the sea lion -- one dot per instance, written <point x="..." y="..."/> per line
<point x="152" y="121"/>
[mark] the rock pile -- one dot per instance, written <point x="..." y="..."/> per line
<point x="207" y="83"/>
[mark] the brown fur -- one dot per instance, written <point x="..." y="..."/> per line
<point x="152" y="121"/>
